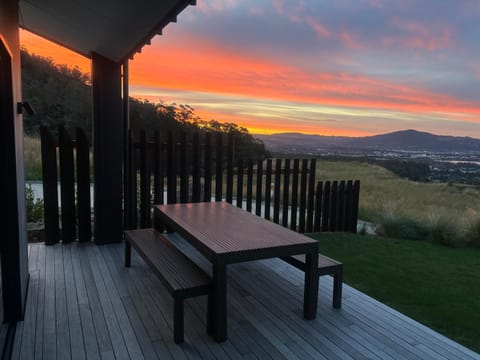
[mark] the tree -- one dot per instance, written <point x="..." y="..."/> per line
<point x="61" y="95"/>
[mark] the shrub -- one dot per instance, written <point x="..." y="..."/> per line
<point x="442" y="230"/>
<point x="473" y="232"/>
<point x="400" y="226"/>
<point x="34" y="206"/>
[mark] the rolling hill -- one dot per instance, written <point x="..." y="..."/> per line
<point x="404" y="140"/>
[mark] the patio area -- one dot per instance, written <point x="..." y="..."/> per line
<point x="83" y="303"/>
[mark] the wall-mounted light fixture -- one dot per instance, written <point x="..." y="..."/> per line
<point x="25" y="106"/>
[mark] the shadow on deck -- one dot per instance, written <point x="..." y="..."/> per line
<point x="82" y="303"/>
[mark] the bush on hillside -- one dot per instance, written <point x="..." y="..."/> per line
<point x="473" y="233"/>
<point x="399" y="226"/>
<point x="442" y="230"/>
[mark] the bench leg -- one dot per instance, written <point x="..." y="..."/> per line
<point x="337" y="289"/>
<point x="177" y="319"/>
<point x="209" y="314"/>
<point x="128" y="254"/>
<point x="310" y="297"/>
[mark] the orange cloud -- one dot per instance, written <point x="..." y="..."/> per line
<point x="201" y="66"/>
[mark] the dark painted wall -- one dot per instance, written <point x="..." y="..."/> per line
<point x="13" y="237"/>
<point x="107" y="149"/>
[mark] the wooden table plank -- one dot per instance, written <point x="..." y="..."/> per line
<point x="222" y="229"/>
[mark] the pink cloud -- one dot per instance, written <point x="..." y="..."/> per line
<point x="278" y="5"/>
<point x="417" y="35"/>
<point x="349" y="40"/>
<point x="320" y="30"/>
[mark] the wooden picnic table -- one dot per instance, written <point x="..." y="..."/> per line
<point x="226" y="234"/>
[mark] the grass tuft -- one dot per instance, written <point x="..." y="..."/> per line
<point x="33" y="158"/>
<point x="443" y="230"/>
<point x="473" y="232"/>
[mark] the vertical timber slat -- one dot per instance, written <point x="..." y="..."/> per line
<point x="219" y="168"/>
<point x="230" y="155"/>
<point x="348" y="206"/>
<point x="258" y="196"/>
<point x="249" y="184"/>
<point x="293" y="217"/>
<point x="171" y="170"/>
<point x="50" y="197"/>
<point x="341" y="206"/>
<point x="326" y="207"/>
<point x="240" y="183"/>
<point x="333" y="206"/>
<point x="183" y="168"/>
<point x="311" y="195"/>
<point x="286" y="192"/>
<point x="356" y="198"/>
<point x="158" y="169"/>
<point x="83" y="187"/>
<point x="207" y="193"/>
<point x="144" y="182"/>
<point x="67" y="186"/>
<point x="196" y="167"/>
<point x="268" y="189"/>
<point x="276" y="192"/>
<point x="303" y="196"/>
<point x="317" y="224"/>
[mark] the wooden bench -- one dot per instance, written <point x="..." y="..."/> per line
<point x="181" y="277"/>
<point x="326" y="266"/>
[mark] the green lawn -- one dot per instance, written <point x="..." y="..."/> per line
<point x="435" y="285"/>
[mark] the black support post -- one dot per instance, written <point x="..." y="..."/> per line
<point x="108" y="145"/>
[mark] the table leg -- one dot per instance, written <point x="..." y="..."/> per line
<point x="219" y="313"/>
<point x="311" y="286"/>
<point x="128" y="253"/>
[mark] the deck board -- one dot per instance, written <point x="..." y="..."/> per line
<point x="83" y="303"/>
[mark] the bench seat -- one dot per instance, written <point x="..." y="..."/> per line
<point x="180" y="276"/>
<point x="326" y="266"/>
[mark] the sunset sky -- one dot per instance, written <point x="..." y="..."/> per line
<point x="341" y="67"/>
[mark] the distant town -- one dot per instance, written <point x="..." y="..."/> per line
<point x="412" y="154"/>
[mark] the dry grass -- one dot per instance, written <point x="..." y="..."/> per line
<point x="383" y="194"/>
<point x="33" y="158"/>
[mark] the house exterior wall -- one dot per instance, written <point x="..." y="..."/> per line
<point x="13" y="236"/>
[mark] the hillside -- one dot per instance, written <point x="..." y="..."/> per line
<point x="61" y="95"/>
<point x="405" y="140"/>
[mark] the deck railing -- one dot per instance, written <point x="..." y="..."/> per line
<point x="72" y="164"/>
<point x="196" y="168"/>
<point x="191" y="168"/>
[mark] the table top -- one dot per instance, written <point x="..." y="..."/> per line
<point x="221" y="229"/>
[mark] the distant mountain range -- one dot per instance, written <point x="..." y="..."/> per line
<point x="405" y="140"/>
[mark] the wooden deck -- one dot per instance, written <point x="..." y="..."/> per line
<point x="83" y="304"/>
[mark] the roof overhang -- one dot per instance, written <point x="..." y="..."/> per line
<point x="115" y="29"/>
